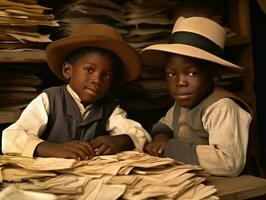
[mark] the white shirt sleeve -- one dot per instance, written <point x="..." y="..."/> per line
<point x="228" y="127"/>
<point x="22" y="137"/>
<point x="118" y="124"/>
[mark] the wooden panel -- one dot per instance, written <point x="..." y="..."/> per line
<point x="23" y="57"/>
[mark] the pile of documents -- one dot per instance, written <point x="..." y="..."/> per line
<point x="140" y="23"/>
<point x="17" y="89"/>
<point x="148" y="22"/>
<point x="126" y="175"/>
<point x="21" y="42"/>
<point x="19" y="23"/>
<point x="94" y="11"/>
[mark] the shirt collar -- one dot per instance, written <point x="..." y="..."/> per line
<point x="78" y="100"/>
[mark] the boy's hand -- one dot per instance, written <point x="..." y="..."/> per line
<point x="104" y="145"/>
<point x="156" y="147"/>
<point x="78" y="150"/>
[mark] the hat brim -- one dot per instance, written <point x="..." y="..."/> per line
<point x="57" y="52"/>
<point x="154" y="55"/>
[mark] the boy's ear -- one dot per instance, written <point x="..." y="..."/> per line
<point x="67" y="70"/>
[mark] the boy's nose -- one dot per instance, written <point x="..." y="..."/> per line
<point x="181" y="81"/>
<point x="96" y="78"/>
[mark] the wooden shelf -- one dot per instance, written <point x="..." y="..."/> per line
<point x="37" y="56"/>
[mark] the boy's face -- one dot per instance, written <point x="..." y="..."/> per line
<point x="188" y="81"/>
<point x="90" y="76"/>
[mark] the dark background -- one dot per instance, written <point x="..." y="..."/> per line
<point x="258" y="31"/>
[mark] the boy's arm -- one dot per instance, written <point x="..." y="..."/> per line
<point x="228" y="128"/>
<point x="161" y="133"/>
<point x="164" y="125"/>
<point x="119" y="124"/>
<point x="165" y="143"/>
<point x="157" y="146"/>
<point x="22" y="137"/>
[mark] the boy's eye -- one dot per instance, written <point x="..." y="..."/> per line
<point x="192" y="74"/>
<point x="108" y="76"/>
<point x="89" y="69"/>
<point x="170" y="74"/>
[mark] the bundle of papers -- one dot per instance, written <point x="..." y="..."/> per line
<point x="95" y="11"/>
<point x="22" y="42"/>
<point x="147" y="22"/>
<point x="19" y="23"/>
<point x="140" y="23"/>
<point x="126" y="175"/>
<point x="17" y="89"/>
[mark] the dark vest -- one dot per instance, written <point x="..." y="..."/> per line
<point x="65" y="122"/>
<point x="187" y="123"/>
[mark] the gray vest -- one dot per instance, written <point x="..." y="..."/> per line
<point x="187" y="123"/>
<point x="65" y="122"/>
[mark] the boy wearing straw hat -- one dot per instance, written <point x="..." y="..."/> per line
<point x="79" y="120"/>
<point x="207" y="125"/>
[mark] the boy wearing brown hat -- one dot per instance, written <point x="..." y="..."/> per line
<point x="207" y="125"/>
<point x="79" y="120"/>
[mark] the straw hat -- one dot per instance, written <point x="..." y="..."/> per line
<point x="94" y="35"/>
<point x="196" y="37"/>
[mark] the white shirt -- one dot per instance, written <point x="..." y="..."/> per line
<point x="228" y="127"/>
<point x="22" y="137"/>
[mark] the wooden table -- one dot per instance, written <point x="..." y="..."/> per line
<point x="241" y="187"/>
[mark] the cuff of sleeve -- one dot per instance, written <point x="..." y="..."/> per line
<point x="137" y="144"/>
<point x="181" y="151"/>
<point x="139" y="139"/>
<point x="30" y="148"/>
<point x="160" y="128"/>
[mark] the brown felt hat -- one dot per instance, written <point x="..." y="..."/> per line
<point x="94" y="35"/>
<point x="196" y="37"/>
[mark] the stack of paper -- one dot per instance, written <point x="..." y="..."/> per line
<point x="20" y="34"/>
<point x="19" y="22"/>
<point x="148" y="22"/>
<point x="93" y="11"/>
<point x="127" y="175"/>
<point x="17" y="89"/>
<point x="140" y="23"/>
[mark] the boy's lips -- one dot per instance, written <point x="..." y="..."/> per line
<point x="183" y="96"/>
<point x="92" y="91"/>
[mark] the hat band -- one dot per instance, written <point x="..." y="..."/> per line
<point x="198" y="41"/>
